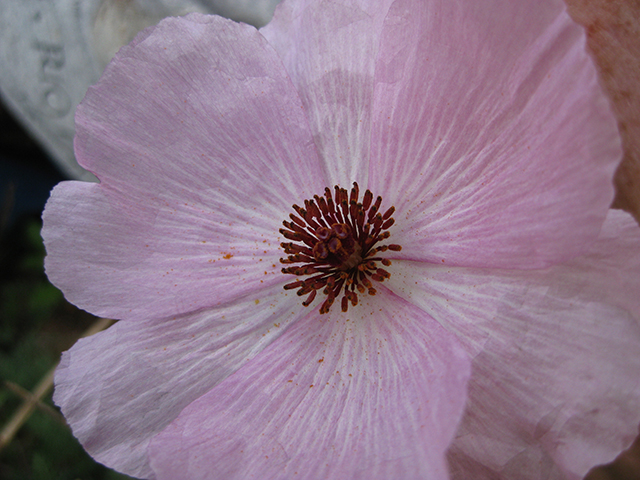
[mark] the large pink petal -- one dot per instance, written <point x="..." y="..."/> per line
<point x="374" y="394"/>
<point x="329" y="49"/>
<point x="555" y="387"/>
<point x="119" y="263"/>
<point x="122" y="386"/>
<point x="201" y="146"/>
<point x="491" y="134"/>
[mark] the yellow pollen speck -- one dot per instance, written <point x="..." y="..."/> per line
<point x="227" y="256"/>
<point x="257" y="301"/>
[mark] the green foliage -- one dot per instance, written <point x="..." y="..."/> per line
<point x="36" y="323"/>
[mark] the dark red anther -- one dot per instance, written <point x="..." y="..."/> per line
<point x="353" y="210"/>
<point x="375" y="208"/>
<point x="354" y="298"/>
<point x="383" y="273"/>
<point x="360" y="220"/>
<point x="388" y="223"/>
<point x="355" y="193"/>
<point x="315" y="211"/>
<point x="326" y="306"/>
<point x="322" y="204"/>
<point x="310" y="298"/>
<point x="293" y="248"/>
<point x="377" y="222"/>
<point x="299" y="210"/>
<point x="292" y="285"/>
<point x="290" y="235"/>
<point x="310" y="221"/>
<point x="344" y="205"/>
<point x="366" y="201"/>
<point x="294" y="227"/>
<point x="298" y="220"/>
<point x="330" y="204"/>
<point x="298" y="258"/>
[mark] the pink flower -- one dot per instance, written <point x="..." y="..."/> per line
<point x="507" y="332"/>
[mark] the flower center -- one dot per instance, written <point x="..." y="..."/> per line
<point x="337" y="244"/>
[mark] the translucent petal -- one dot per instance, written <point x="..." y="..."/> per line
<point x="374" y="394"/>
<point x="491" y="135"/>
<point x="556" y="356"/>
<point x="122" y="386"/>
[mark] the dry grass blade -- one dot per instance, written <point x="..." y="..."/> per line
<point x="33" y="399"/>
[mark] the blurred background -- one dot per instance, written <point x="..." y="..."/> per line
<point x="50" y="52"/>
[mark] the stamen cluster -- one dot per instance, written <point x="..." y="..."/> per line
<point x="336" y="243"/>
